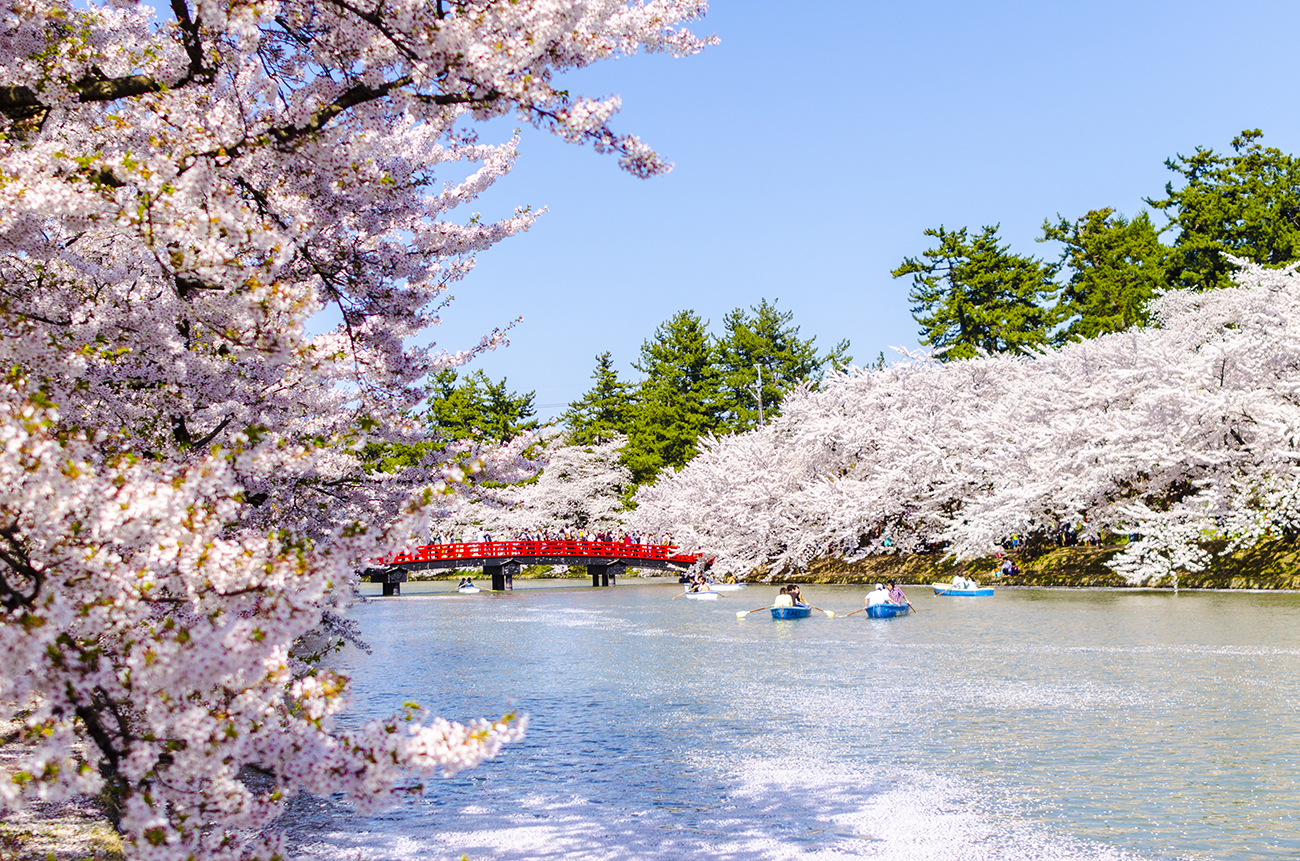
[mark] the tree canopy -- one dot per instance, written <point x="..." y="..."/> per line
<point x="605" y="412"/>
<point x="1176" y="434"/>
<point x="475" y="408"/>
<point x="695" y="383"/>
<point x="678" y="399"/>
<point x="971" y="294"/>
<point x="184" y="496"/>
<point x="1246" y="204"/>
<point x="1115" y="265"/>
<point x="766" y="339"/>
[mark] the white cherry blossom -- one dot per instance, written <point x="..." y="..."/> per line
<point x="1173" y="434"/>
<point x="181" y="494"/>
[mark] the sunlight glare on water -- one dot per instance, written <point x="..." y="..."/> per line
<point x="1031" y="725"/>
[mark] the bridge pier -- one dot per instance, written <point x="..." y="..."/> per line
<point x="390" y="577"/>
<point x="503" y="575"/>
<point x="607" y="574"/>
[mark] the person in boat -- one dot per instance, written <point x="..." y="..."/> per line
<point x="795" y="596"/>
<point x="783" y="598"/>
<point x="877" y="596"/>
<point x="896" y="595"/>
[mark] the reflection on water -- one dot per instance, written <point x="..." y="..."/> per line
<point x="1032" y="725"/>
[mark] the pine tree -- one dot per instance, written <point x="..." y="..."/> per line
<point x="972" y="294"/>
<point x="769" y="341"/>
<point x="1116" y="266"/>
<point x="1246" y="205"/>
<point x="678" y="401"/>
<point x="605" y="412"/>
<point x="477" y="408"/>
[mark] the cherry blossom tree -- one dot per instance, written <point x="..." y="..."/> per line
<point x="181" y="497"/>
<point x="578" y="487"/>
<point x="1173" y="434"/>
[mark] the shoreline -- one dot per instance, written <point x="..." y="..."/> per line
<point x="1272" y="566"/>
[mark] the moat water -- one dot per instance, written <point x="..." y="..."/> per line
<point x="1035" y="724"/>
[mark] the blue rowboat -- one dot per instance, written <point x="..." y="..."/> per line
<point x="791" y="612"/>
<point x="887" y="611"/>
<point x="947" y="590"/>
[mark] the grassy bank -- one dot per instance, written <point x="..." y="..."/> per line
<point x="1268" y="565"/>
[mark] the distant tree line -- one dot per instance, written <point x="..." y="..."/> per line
<point x="692" y="384"/>
<point x="971" y="293"/>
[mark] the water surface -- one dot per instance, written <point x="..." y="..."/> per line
<point x="1032" y="725"/>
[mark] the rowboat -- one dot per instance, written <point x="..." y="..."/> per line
<point x="726" y="587"/>
<point x="469" y="590"/>
<point x="703" y="596"/>
<point x="887" y="611"/>
<point x="948" y="590"/>
<point x="791" y="612"/>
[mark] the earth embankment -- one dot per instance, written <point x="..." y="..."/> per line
<point x="1267" y="565"/>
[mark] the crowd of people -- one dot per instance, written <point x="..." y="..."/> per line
<point x="617" y="536"/>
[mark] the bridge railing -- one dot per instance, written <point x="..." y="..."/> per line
<point x="511" y="549"/>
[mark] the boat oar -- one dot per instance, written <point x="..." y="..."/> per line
<point x="856" y="612"/>
<point x="909" y="604"/>
<point x="740" y="614"/>
<point x="829" y="614"/>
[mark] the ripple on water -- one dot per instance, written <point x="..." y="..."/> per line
<point x="1059" y="726"/>
<point x="771" y="809"/>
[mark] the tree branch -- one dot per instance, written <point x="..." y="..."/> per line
<point x="20" y="102"/>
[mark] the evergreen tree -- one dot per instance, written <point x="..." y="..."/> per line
<point x="477" y="408"/>
<point x="770" y="341"/>
<point x="678" y="401"/>
<point x="473" y="408"/>
<point x="1116" y="265"/>
<point x="972" y="294"/>
<point x="605" y="412"/>
<point x="1246" y="204"/>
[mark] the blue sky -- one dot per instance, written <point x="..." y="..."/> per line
<point x="818" y="141"/>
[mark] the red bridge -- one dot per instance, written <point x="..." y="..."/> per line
<point x="501" y="560"/>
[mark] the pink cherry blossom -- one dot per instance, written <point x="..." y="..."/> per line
<point x="183" y="500"/>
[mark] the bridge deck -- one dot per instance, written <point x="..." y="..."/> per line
<point x="480" y="553"/>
